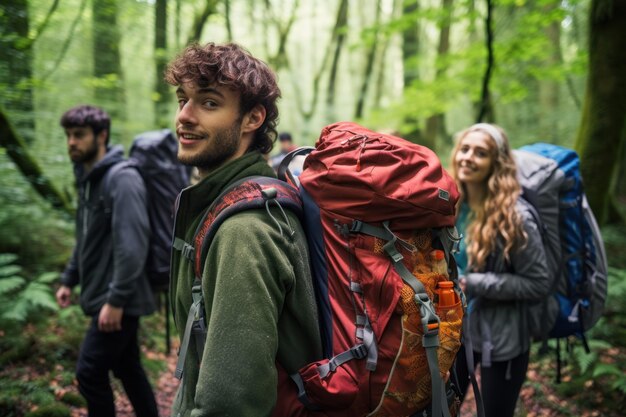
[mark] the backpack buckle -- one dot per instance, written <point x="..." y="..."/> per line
<point x="430" y="319"/>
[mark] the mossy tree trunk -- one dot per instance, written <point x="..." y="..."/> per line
<point x="410" y="53"/>
<point x="16" y="58"/>
<point x="436" y="124"/>
<point x="602" y="131"/>
<point x="107" y="60"/>
<point x="17" y="150"/>
<point x="161" y="88"/>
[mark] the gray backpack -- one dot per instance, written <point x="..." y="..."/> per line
<point x="552" y="185"/>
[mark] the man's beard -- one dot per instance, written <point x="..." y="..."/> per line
<point x="224" y="144"/>
<point x="86" y="156"/>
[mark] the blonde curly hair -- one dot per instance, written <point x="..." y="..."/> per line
<point x="497" y="219"/>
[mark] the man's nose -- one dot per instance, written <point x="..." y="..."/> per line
<point x="186" y="114"/>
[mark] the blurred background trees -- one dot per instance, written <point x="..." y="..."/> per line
<point x="545" y="70"/>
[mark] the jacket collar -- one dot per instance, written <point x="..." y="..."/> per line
<point x="114" y="155"/>
<point x="195" y="199"/>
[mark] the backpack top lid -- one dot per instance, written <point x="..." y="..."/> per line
<point x="155" y="150"/>
<point x="376" y="177"/>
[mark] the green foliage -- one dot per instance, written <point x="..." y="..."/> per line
<point x="19" y="297"/>
<point x="52" y="410"/>
<point x="74" y="399"/>
<point x="16" y="396"/>
<point x="615" y="372"/>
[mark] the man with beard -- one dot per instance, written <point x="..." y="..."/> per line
<point x="258" y="302"/>
<point x="112" y="235"/>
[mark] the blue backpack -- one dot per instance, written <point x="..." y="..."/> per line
<point x="552" y="184"/>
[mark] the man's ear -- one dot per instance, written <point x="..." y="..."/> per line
<point x="102" y="138"/>
<point x="253" y="119"/>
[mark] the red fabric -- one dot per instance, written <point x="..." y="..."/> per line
<point x="375" y="177"/>
<point x="357" y="174"/>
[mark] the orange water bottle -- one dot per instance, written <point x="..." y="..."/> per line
<point x="445" y="290"/>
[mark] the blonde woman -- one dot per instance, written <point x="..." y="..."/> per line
<point x="502" y="265"/>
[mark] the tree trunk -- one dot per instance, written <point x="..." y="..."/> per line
<point x="436" y="124"/>
<point x="200" y="20"/>
<point x="162" y="103"/>
<point x="28" y="166"/>
<point x="410" y="52"/>
<point x="107" y="60"/>
<point x="549" y="88"/>
<point x="340" y="35"/>
<point x="485" y="106"/>
<point x="16" y="61"/>
<point x="369" y="65"/>
<point x="602" y="131"/>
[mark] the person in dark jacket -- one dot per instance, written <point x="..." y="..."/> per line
<point x="502" y="266"/>
<point x="257" y="291"/>
<point x="112" y="233"/>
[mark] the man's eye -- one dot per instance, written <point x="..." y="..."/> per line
<point x="210" y="104"/>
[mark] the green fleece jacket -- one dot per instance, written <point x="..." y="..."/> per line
<point x="259" y="301"/>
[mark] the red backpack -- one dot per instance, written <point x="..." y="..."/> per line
<point x="379" y="215"/>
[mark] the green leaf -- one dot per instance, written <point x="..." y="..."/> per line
<point x="40" y="295"/>
<point x="7" y="258"/>
<point x="10" y="284"/>
<point x="17" y="312"/>
<point x="48" y="277"/>
<point x="9" y="270"/>
<point x="606" y="369"/>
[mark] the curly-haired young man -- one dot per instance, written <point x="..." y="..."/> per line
<point x="259" y="306"/>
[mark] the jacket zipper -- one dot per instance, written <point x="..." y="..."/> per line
<point x="86" y="212"/>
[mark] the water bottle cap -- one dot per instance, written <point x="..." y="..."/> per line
<point x="437" y="255"/>
<point x="445" y="284"/>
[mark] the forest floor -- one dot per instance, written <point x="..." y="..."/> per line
<point x="538" y="398"/>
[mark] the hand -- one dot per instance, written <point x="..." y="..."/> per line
<point x="110" y="318"/>
<point x="63" y="295"/>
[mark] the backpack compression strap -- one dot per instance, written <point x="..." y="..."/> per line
<point x="248" y="193"/>
<point x="430" y="320"/>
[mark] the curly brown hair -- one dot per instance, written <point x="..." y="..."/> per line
<point x="232" y="66"/>
<point x="497" y="217"/>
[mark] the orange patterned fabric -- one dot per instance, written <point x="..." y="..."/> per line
<point x="409" y="384"/>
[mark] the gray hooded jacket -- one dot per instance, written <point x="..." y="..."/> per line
<point x="111" y="244"/>
<point x="499" y="299"/>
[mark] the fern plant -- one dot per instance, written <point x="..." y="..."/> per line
<point x="21" y="297"/>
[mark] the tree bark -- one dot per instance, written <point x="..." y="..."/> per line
<point x="16" y="61"/>
<point x="162" y="103"/>
<point x="410" y="52"/>
<point x="107" y="60"/>
<point x="28" y="166"/>
<point x="200" y="20"/>
<point x="339" y="35"/>
<point x="485" y="106"/>
<point x="436" y="124"/>
<point x="602" y="130"/>
<point x="369" y="65"/>
<point x="549" y="88"/>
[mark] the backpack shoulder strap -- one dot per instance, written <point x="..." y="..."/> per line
<point x="248" y="193"/>
<point x="105" y="193"/>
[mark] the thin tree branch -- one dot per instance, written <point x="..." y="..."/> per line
<point x="485" y="101"/>
<point x="68" y="41"/>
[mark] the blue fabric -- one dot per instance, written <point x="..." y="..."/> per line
<point x="576" y="237"/>
<point x="461" y="224"/>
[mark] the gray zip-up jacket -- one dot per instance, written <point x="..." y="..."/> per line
<point x="499" y="299"/>
<point x="111" y="244"/>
